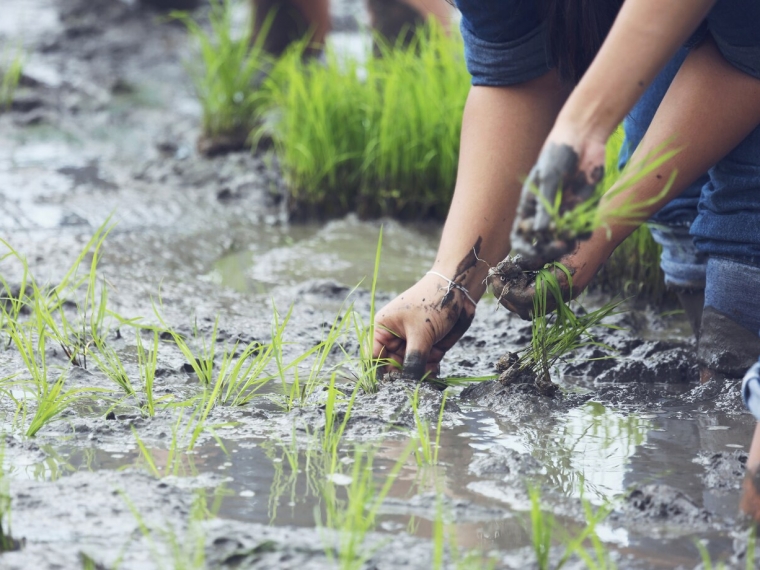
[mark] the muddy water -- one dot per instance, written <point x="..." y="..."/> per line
<point x="106" y="125"/>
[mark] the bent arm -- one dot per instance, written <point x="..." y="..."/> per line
<point x="502" y="131"/>
<point x="709" y="109"/>
<point x="644" y="37"/>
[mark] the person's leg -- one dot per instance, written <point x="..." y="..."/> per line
<point x="727" y="229"/>
<point x="684" y="267"/>
<point x="291" y="21"/>
<point x="750" y="503"/>
<point x="396" y="20"/>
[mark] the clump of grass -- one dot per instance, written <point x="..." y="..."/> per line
<point x="427" y="451"/>
<point x="353" y="517"/>
<point x="633" y="269"/>
<point x="231" y="65"/>
<point x="556" y="335"/>
<point x="10" y="76"/>
<point x="546" y="530"/>
<point x="6" y="540"/>
<point x="379" y="137"/>
<point x="368" y="366"/>
<point x="147" y="362"/>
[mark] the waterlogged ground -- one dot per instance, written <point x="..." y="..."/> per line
<point x="105" y="124"/>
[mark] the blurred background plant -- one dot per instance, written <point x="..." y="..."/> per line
<point x="379" y="137"/>
<point x="11" y="68"/>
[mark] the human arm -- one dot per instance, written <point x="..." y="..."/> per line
<point x="644" y="36"/>
<point x="710" y="107"/>
<point x="502" y="131"/>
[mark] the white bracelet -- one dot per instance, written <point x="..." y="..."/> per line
<point x="453" y="285"/>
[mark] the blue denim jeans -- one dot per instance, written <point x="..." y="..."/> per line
<point x="505" y="40"/>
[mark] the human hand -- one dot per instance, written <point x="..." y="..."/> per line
<point x="574" y="168"/>
<point x="418" y="327"/>
<point x="512" y="281"/>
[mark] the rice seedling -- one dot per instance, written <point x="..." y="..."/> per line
<point x="351" y="519"/>
<point x="333" y="431"/>
<point x="173" y="464"/>
<point x="239" y="382"/>
<point x="555" y="336"/>
<point x="427" y="451"/>
<point x="146" y="364"/>
<point x="111" y="365"/>
<point x="707" y="562"/>
<point x="10" y="76"/>
<point x="229" y="73"/>
<point x="323" y="352"/>
<point x="172" y="549"/>
<point x="368" y="366"/>
<point x="203" y="362"/>
<point x="380" y="137"/>
<point x="541" y="524"/>
<point x="6" y="539"/>
<point x="634" y="266"/>
<point x="589" y="215"/>
<point x="546" y="530"/>
<point x="49" y="304"/>
<point x="30" y="341"/>
<point x="291" y="388"/>
<point x="598" y="556"/>
<point x="52" y="400"/>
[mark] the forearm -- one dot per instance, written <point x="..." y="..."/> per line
<point x="644" y="37"/>
<point x="502" y="132"/>
<point x="709" y="109"/>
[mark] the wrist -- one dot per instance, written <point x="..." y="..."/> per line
<point x="587" y="118"/>
<point x="469" y="283"/>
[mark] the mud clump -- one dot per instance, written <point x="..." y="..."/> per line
<point x="429" y="505"/>
<point x="503" y="463"/>
<point x="519" y="401"/>
<point x="661" y="503"/>
<point x="720" y="394"/>
<point x="511" y="372"/>
<point x="725" y="470"/>
<point x="650" y="365"/>
<point x="632" y="395"/>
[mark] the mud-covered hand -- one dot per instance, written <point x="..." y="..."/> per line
<point x="512" y="281"/>
<point x="572" y="169"/>
<point x="419" y="326"/>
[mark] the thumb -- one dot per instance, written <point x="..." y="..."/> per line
<point x="418" y="348"/>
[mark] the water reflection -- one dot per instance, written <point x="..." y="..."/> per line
<point x="340" y="250"/>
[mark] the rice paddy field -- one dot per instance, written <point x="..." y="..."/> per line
<point x="183" y="338"/>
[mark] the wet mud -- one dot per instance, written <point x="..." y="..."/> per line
<point x="106" y="123"/>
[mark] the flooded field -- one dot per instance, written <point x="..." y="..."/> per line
<point x="105" y="124"/>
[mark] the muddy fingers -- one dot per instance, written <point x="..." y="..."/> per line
<point x="555" y="185"/>
<point x="513" y="285"/>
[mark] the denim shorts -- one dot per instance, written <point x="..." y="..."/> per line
<point x="505" y="40"/>
<point x="718" y="215"/>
